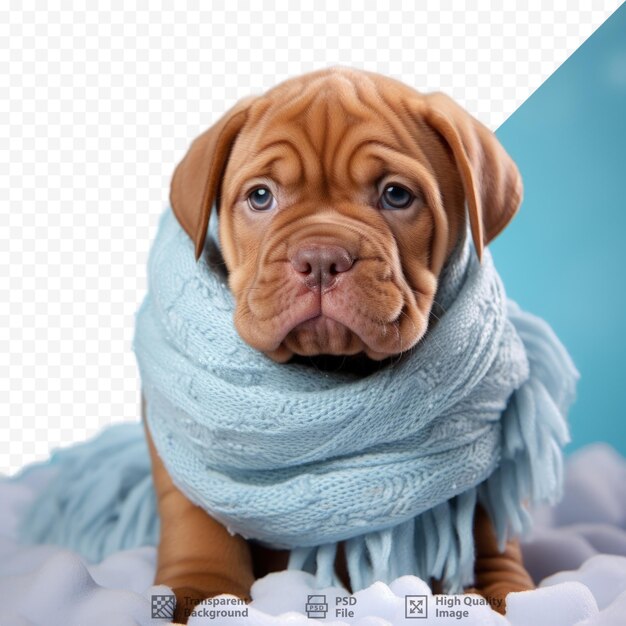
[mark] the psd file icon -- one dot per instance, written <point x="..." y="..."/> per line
<point x="316" y="607"/>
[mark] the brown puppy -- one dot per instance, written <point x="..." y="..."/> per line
<point x="340" y="194"/>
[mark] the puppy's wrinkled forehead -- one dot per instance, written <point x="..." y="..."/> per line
<point x="334" y="131"/>
<point x="328" y="132"/>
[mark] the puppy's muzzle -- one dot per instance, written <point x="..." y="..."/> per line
<point x="320" y="265"/>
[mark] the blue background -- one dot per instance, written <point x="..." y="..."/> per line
<point x="563" y="256"/>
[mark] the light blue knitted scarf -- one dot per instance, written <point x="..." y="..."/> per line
<point x="394" y="462"/>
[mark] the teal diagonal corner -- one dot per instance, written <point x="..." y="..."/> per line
<point x="564" y="256"/>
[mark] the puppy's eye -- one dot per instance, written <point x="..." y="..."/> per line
<point x="395" y="197"/>
<point x="261" y="199"/>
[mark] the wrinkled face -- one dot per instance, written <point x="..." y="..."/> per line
<point x="338" y="208"/>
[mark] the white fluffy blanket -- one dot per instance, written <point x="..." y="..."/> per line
<point x="577" y="554"/>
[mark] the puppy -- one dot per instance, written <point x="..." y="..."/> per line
<point x="340" y="193"/>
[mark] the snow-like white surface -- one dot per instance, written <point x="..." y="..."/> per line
<point x="577" y="554"/>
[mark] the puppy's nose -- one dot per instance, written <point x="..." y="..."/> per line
<point x="320" y="265"/>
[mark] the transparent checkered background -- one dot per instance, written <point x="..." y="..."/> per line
<point x="97" y="108"/>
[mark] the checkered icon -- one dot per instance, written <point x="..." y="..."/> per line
<point x="163" y="606"/>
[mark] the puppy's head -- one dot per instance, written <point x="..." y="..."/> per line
<point x="340" y="195"/>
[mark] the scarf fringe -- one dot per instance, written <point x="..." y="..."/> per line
<point x="99" y="498"/>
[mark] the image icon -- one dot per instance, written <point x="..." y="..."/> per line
<point x="415" y="607"/>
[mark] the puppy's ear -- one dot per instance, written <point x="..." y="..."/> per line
<point x="492" y="183"/>
<point x="197" y="177"/>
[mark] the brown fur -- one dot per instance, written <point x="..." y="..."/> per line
<point x="326" y="144"/>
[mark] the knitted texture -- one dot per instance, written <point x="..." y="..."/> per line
<point x="393" y="462"/>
